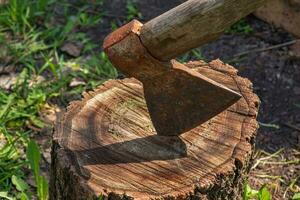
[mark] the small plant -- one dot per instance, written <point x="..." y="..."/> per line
<point x="88" y="20"/>
<point x="11" y="165"/>
<point x="21" y="107"/>
<point x="100" y="197"/>
<point x="21" y="186"/>
<point x="132" y="11"/>
<point x="113" y="26"/>
<point x="262" y="194"/>
<point x="296" y="196"/>
<point x="194" y="54"/>
<point x="33" y="155"/>
<point x="241" y="27"/>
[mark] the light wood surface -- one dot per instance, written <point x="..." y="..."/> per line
<point x="105" y="144"/>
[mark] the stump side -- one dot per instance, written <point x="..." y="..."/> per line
<point x="106" y="144"/>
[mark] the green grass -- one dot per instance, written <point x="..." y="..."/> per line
<point x="132" y="11"/>
<point x="241" y="27"/>
<point x="20" y="111"/>
<point x="30" y="39"/>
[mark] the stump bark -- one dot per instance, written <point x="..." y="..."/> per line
<point x="105" y="146"/>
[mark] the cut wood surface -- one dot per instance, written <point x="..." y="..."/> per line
<point x="282" y="13"/>
<point x="106" y="144"/>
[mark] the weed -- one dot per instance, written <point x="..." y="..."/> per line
<point x="22" y="52"/>
<point x="100" y="197"/>
<point x="194" y="54"/>
<point x="18" y="15"/>
<point x="296" y="196"/>
<point x="113" y="26"/>
<point x="241" y="27"/>
<point x="132" y="11"/>
<point x="10" y="161"/>
<point x="34" y="157"/>
<point x="19" y="111"/>
<point x="85" y="19"/>
<point x="262" y="194"/>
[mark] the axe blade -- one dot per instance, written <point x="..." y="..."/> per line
<point x="182" y="99"/>
<point x="178" y="98"/>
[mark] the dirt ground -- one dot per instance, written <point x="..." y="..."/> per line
<point x="276" y="79"/>
<point x="275" y="75"/>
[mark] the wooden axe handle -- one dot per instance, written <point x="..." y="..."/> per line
<point x="192" y="24"/>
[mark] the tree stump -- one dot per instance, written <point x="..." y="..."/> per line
<point x="105" y="147"/>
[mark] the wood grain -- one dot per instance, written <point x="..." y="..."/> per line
<point x="192" y="24"/>
<point x="106" y="144"/>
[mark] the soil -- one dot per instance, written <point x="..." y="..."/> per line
<point x="276" y="79"/>
<point x="275" y="75"/>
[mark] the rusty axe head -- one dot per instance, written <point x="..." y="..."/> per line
<point x="177" y="97"/>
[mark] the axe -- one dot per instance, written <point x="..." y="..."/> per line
<point x="178" y="98"/>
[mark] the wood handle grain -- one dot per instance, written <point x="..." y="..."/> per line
<point x="192" y="24"/>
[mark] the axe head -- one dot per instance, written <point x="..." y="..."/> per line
<point x="183" y="99"/>
<point x="178" y="98"/>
